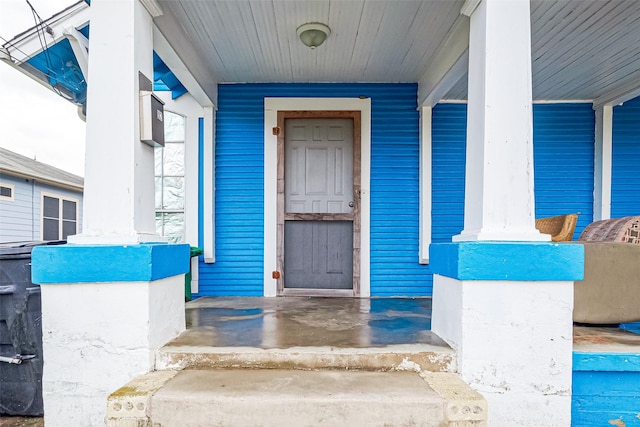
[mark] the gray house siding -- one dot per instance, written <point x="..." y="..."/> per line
<point x="21" y="218"/>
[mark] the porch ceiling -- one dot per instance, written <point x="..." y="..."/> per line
<point x="581" y="49"/>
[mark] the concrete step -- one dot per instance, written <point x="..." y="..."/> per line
<point x="418" y="357"/>
<point x="295" y="398"/>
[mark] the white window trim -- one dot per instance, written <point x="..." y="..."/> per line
<point x="13" y="192"/>
<point x="603" y="163"/>
<point x="425" y="184"/>
<point x="183" y="211"/>
<point x="61" y="198"/>
<point x="271" y="108"/>
<point x="188" y="107"/>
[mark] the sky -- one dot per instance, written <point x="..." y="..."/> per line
<point x="34" y="121"/>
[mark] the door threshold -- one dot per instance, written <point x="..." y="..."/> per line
<point x="309" y="292"/>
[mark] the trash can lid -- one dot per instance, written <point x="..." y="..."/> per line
<point x="11" y="249"/>
<point x="195" y="251"/>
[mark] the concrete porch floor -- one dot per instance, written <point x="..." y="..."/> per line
<point x="380" y="334"/>
<point x="309" y="322"/>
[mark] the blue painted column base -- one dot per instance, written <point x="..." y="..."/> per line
<point x="506" y="309"/>
<point x="517" y="261"/>
<point x="108" y="263"/>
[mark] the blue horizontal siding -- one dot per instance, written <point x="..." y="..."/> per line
<point x="449" y="135"/>
<point x="563" y="160"/>
<point x="563" y="148"/>
<point x="625" y="191"/>
<point x="239" y="187"/>
<point x="605" y="389"/>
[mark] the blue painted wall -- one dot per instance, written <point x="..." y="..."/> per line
<point x="449" y="136"/>
<point x="395" y="271"/>
<point x="239" y="187"/>
<point x="563" y="160"/>
<point x="563" y="150"/>
<point x="625" y="191"/>
<point x="605" y="389"/>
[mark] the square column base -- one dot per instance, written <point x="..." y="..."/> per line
<point x="105" y="311"/>
<point x="513" y="342"/>
<point x="98" y="336"/>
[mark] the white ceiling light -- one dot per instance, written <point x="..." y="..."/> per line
<point x="313" y="34"/>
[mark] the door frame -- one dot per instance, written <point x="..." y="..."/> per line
<point x="271" y="108"/>
<point x="355" y="215"/>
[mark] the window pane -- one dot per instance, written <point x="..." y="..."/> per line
<point x="51" y="208"/>
<point x="68" y="229"/>
<point x="50" y="229"/>
<point x="157" y="157"/>
<point x="158" y="193"/>
<point x="173" y="193"/>
<point x="159" y="229"/>
<point x="173" y="224"/>
<point x="174" y="159"/>
<point x="5" y="191"/>
<point x="173" y="127"/>
<point x="68" y="210"/>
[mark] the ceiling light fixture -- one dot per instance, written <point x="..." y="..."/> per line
<point x="313" y="34"/>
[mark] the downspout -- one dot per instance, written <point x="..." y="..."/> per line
<point x="33" y="210"/>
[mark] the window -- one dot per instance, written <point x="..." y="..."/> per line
<point x="59" y="217"/>
<point x="169" y="184"/>
<point x="6" y="192"/>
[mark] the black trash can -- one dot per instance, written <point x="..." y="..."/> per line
<point x="20" y="332"/>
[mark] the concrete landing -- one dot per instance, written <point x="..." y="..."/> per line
<point x="296" y="398"/>
<point x="383" y="334"/>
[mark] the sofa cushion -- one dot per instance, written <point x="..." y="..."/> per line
<point x="623" y="230"/>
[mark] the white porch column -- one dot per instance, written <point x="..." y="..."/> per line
<point x="110" y="301"/>
<point x="602" y="166"/>
<point x="499" y="202"/>
<point x="118" y="184"/>
<point x="503" y="294"/>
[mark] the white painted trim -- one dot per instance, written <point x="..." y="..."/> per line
<point x="13" y="192"/>
<point x="425" y="184"/>
<point x="192" y="111"/>
<point x="469" y="7"/>
<point x="177" y="67"/>
<point x="80" y="46"/>
<point x="28" y="44"/>
<point x="562" y="101"/>
<point x="448" y="66"/>
<point x="60" y="198"/>
<point x="541" y="101"/>
<point x="602" y="163"/>
<point x="271" y="108"/>
<point x="209" y="187"/>
<point x="618" y="97"/>
<point x="152" y="7"/>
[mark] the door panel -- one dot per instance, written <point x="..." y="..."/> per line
<point x="318" y="254"/>
<point x="318" y="165"/>
<point x="318" y="203"/>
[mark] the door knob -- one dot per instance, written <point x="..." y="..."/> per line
<point x="350" y="204"/>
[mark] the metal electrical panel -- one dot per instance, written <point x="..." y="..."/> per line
<point x="151" y="114"/>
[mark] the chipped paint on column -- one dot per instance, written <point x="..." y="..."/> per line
<point x="98" y="336"/>
<point x="513" y="343"/>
